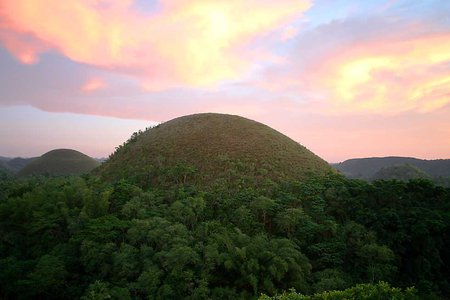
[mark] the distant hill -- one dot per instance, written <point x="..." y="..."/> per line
<point x="366" y="168"/>
<point x="100" y="159"/>
<point x="60" y="162"/>
<point x="400" y="172"/>
<point x="211" y="148"/>
<point x="14" y="165"/>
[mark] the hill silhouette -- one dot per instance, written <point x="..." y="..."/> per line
<point x="59" y="162"/>
<point x="211" y="148"/>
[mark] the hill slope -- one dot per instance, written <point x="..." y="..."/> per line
<point x="60" y="162"/>
<point x="207" y="148"/>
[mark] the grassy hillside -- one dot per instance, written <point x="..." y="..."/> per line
<point x="207" y="148"/>
<point x="59" y="162"/>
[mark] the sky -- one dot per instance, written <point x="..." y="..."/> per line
<point x="345" y="79"/>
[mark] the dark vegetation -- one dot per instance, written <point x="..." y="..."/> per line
<point x="59" y="162"/>
<point x="400" y="168"/>
<point x="162" y="232"/>
<point x="69" y="237"/>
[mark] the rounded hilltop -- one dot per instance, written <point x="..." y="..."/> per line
<point x="210" y="148"/>
<point x="60" y="162"/>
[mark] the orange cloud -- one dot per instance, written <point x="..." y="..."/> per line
<point x="388" y="76"/>
<point x="187" y="43"/>
<point x="93" y="84"/>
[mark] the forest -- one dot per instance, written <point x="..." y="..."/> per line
<point x="327" y="237"/>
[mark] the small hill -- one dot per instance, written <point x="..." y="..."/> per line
<point x="59" y="162"/>
<point x="365" y="168"/>
<point x="14" y="165"/>
<point x="211" y="148"/>
<point x="400" y="172"/>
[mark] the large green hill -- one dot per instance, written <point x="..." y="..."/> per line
<point x="211" y="148"/>
<point x="59" y="162"/>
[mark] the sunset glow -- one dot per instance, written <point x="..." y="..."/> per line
<point x="390" y="76"/>
<point x="186" y="43"/>
<point x="311" y="69"/>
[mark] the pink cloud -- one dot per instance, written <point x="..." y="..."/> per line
<point x="404" y="70"/>
<point x="388" y="76"/>
<point x="26" y="49"/>
<point x="184" y="43"/>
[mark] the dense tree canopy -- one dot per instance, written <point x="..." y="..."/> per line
<point x="73" y="237"/>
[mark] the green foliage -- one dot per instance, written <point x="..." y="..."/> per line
<point x="47" y="277"/>
<point x="379" y="291"/>
<point x="78" y="237"/>
<point x="101" y="291"/>
<point x="329" y="279"/>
